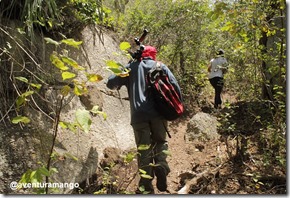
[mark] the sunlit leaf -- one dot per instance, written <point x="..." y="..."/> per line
<point x="72" y="42"/>
<point x="67" y="75"/>
<point x="20" y="30"/>
<point x="142" y="171"/>
<point x="113" y="64"/>
<point x="20" y="100"/>
<point x="72" y="127"/>
<point x="125" y="46"/>
<point x="63" y="125"/>
<point x="143" y="147"/>
<point x="37" y="86"/>
<point x="115" y="70"/>
<point x="95" y="110"/>
<point x="44" y="171"/>
<point x="70" y="62"/>
<point x="18" y="119"/>
<point x="166" y="152"/>
<point x="51" y="41"/>
<point x="28" y="93"/>
<point x="83" y="118"/>
<point x="53" y="170"/>
<point x="94" y="77"/>
<point x="57" y="62"/>
<point x="65" y="90"/>
<point x="49" y="23"/>
<point x="146" y="176"/>
<point x="25" y="177"/>
<point x="129" y="157"/>
<point x="80" y="90"/>
<point x="23" y="79"/>
<point x="71" y="156"/>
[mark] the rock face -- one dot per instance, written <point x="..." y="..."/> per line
<point x="202" y="126"/>
<point x="77" y="154"/>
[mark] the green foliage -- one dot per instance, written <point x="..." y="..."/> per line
<point x="22" y="119"/>
<point x="69" y="70"/>
<point x="91" y="12"/>
<point x="83" y="118"/>
<point x="52" y="15"/>
<point x="144" y="174"/>
<point x="143" y="147"/>
<point x="36" y="177"/>
<point x="117" y="68"/>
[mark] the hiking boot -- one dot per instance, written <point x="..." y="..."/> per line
<point x="161" y="178"/>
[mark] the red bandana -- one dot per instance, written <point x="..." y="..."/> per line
<point x="149" y="52"/>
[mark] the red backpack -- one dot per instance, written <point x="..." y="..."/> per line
<point x="167" y="100"/>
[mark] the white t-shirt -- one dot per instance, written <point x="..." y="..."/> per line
<point x="215" y="70"/>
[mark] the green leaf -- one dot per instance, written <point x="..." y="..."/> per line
<point x="63" y="125"/>
<point x="146" y="176"/>
<point x="115" y="70"/>
<point x="84" y="119"/>
<point x="35" y="176"/>
<point x="51" y="41"/>
<point x="25" y="178"/>
<point x="166" y="152"/>
<point x="79" y="89"/>
<point x="28" y="93"/>
<point x="65" y="90"/>
<point x="67" y="75"/>
<point x="20" y="30"/>
<point x="18" y="119"/>
<point x="125" y="46"/>
<point x="71" y="156"/>
<point x="72" y="127"/>
<point x="113" y="64"/>
<point x="95" y="110"/>
<point x="142" y="171"/>
<point x="23" y="79"/>
<point x="143" y="147"/>
<point x="94" y="77"/>
<point x="70" y="62"/>
<point x="58" y="63"/>
<point x="72" y="42"/>
<point x="20" y="100"/>
<point x="44" y="171"/>
<point x="37" y="86"/>
<point x="129" y="157"/>
<point x="53" y="170"/>
<point x="49" y="23"/>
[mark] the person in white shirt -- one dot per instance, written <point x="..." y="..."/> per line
<point x="217" y="68"/>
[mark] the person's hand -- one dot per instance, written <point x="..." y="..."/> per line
<point x="123" y="74"/>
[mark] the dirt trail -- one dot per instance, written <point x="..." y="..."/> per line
<point x="188" y="158"/>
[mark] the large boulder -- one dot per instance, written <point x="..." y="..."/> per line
<point x="203" y="127"/>
<point x="76" y="154"/>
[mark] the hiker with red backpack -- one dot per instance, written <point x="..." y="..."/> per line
<point x="217" y="68"/>
<point x="149" y="125"/>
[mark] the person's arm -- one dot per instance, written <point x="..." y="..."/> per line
<point x="116" y="82"/>
<point x="209" y="67"/>
<point x="225" y="66"/>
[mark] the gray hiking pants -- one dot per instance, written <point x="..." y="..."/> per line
<point x="151" y="133"/>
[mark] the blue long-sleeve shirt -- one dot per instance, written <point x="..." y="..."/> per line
<point x="141" y="102"/>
